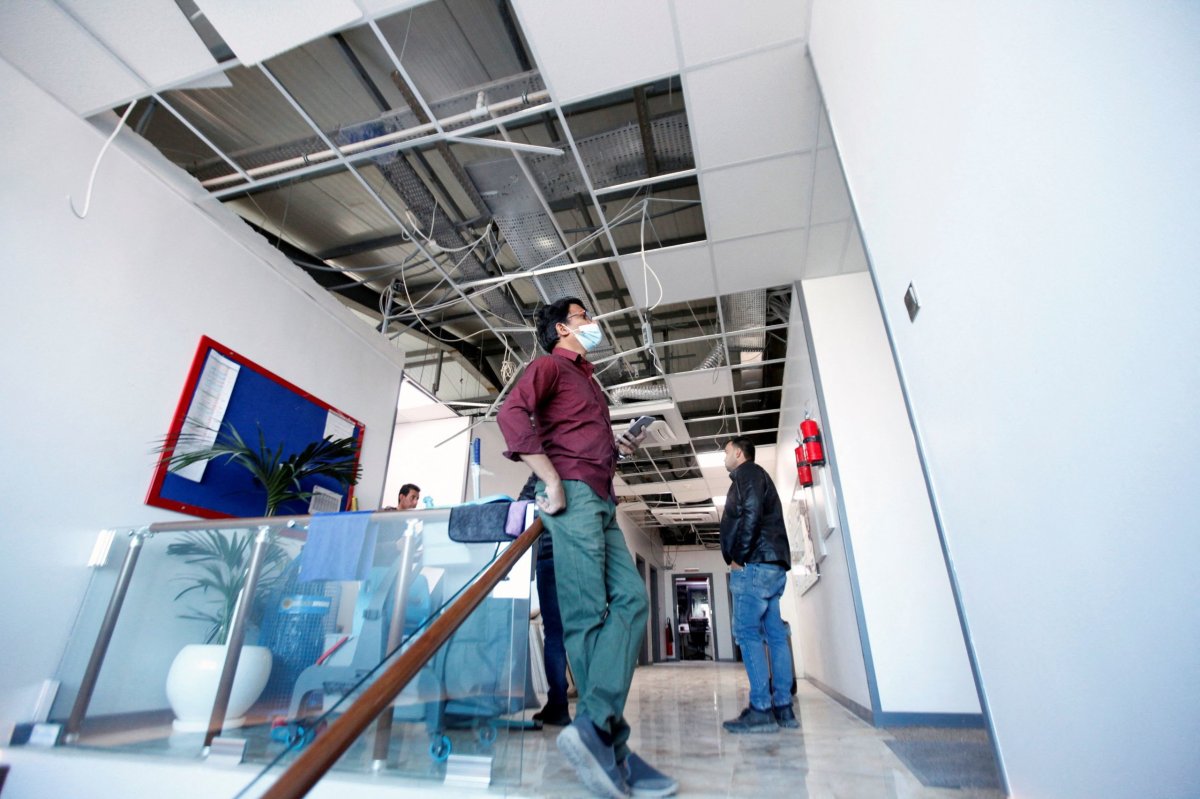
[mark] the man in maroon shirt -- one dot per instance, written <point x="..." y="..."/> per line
<point x="556" y="420"/>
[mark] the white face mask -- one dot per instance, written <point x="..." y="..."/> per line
<point x="589" y="335"/>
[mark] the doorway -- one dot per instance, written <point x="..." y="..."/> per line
<point x="694" y="609"/>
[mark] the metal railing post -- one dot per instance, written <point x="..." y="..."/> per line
<point x="237" y="634"/>
<point x="409" y="545"/>
<point x="88" y="684"/>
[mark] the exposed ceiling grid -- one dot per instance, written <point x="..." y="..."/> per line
<point x="696" y="183"/>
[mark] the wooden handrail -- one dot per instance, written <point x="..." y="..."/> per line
<point x="304" y="772"/>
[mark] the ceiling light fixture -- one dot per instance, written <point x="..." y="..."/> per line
<point x="709" y="460"/>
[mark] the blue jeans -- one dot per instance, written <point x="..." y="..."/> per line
<point x="756" y="591"/>
<point x="555" y="654"/>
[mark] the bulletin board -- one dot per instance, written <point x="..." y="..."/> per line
<point x="225" y="389"/>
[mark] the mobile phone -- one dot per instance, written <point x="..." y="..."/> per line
<point x="639" y="424"/>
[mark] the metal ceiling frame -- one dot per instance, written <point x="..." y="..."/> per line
<point x="497" y="119"/>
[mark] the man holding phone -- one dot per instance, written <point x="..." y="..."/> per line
<point x="556" y="420"/>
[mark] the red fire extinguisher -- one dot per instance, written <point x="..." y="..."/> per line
<point x="803" y="468"/>
<point x="670" y="641"/>
<point x="813" y="450"/>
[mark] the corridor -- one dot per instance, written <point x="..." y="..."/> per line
<point x="676" y="710"/>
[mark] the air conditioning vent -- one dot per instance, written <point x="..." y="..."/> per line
<point x="676" y="516"/>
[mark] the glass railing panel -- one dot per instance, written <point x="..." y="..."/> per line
<point x="318" y="627"/>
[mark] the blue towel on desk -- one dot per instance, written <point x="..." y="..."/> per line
<point x="340" y="546"/>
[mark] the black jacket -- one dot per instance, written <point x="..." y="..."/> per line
<point x="752" y="529"/>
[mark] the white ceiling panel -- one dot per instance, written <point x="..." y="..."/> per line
<point x="685" y="272"/>
<point x="760" y="105"/>
<point x="856" y="259"/>
<point x="712" y="29"/>
<point x="598" y="47"/>
<point x="716" y="477"/>
<point x="265" y="28"/>
<point x="757" y="198"/>
<point x="376" y="7"/>
<point x="830" y="201"/>
<point x="151" y="36"/>
<point x="826" y="246"/>
<point x="759" y="262"/>
<point x="701" y="384"/>
<point x="690" y="490"/>
<point x="56" y="53"/>
<point x="825" y="136"/>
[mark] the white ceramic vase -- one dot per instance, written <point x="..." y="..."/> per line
<point x="192" y="684"/>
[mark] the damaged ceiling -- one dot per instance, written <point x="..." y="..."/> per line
<point x="444" y="168"/>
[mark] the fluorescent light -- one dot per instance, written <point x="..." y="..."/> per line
<point x="719" y="501"/>
<point x="707" y="460"/>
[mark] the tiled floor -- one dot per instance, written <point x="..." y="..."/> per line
<point x="676" y="712"/>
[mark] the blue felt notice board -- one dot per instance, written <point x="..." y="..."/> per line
<point x="260" y="401"/>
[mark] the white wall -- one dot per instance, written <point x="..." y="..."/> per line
<point x="1032" y="168"/>
<point x="432" y="454"/>
<point x="824" y="620"/>
<point x="101" y="318"/>
<point x="650" y="549"/>
<point x="918" y="658"/>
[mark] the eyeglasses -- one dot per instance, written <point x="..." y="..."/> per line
<point x="583" y="315"/>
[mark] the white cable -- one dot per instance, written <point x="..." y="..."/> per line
<point x="521" y="275"/>
<point x="646" y="270"/>
<point x="87" y="200"/>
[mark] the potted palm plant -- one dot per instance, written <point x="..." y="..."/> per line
<point x="220" y="564"/>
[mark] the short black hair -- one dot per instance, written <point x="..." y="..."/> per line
<point x="408" y="488"/>
<point x="745" y="445"/>
<point x="549" y="316"/>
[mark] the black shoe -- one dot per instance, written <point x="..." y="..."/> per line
<point x="752" y="720"/>
<point x="785" y="716"/>
<point x="553" y="716"/>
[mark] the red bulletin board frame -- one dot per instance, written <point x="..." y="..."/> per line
<point x="253" y="392"/>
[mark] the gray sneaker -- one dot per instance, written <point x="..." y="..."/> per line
<point x="593" y="760"/>
<point x="751" y="720"/>
<point x="785" y="716"/>
<point x="645" y="780"/>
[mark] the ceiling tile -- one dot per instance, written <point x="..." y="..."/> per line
<point x="711" y="29"/>
<point x="831" y="203"/>
<point x="265" y="28"/>
<point x="757" y="198"/>
<point x="378" y="7"/>
<point x="825" y="136"/>
<point x="685" y="273"/>
<point x="152" y="36"/>
<point x="701" y="384"/>
<point x="826" y="247"/>
<point x="759" y="262"/>
<point x="690" y="490"/>
<point x="716" y="477"/>
<point x="759" y="105"/>
<point x="856" y="259"/>
<point x="598" y="47"/>
<point x="44" y="42"/>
